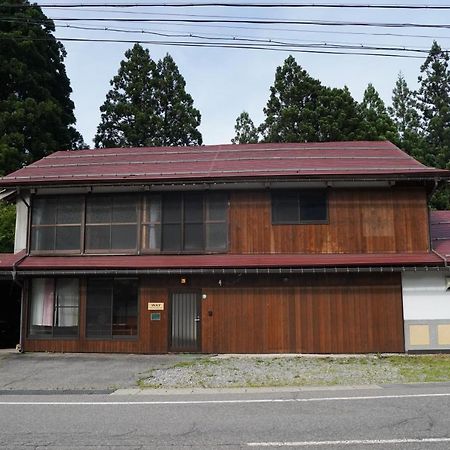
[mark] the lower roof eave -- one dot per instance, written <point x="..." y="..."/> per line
<point x="229" y="271"/>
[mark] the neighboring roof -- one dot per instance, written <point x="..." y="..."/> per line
<point x="440" y="233"/>
<point x="188" y="262"/>
<point x="223" y="162"/>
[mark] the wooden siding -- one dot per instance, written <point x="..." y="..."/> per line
<point x="335" y="313"/>
<point x="319" y="317"/>
<point x="360" y="221"/>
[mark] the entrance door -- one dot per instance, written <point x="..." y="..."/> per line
<point x="185" y="322"/>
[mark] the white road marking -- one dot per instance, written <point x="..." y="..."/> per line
<point x="349" y="442"/>
<point x="237" y="401"/>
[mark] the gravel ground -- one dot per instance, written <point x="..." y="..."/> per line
<point x="259" y="371"/>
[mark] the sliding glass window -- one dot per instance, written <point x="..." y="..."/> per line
<point x="54" y="307"/>
<point x="56" y="224"/>
<point x="111" y="223"/>
<point x="112" y="307"/>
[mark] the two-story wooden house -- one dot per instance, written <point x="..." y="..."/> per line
<point x="258" y="248"/>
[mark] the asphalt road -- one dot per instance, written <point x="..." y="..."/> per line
<point x="397" y="417"/>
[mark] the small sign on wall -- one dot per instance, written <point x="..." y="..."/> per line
<point x="155" y="316"/>
<point x="155" y="306"/>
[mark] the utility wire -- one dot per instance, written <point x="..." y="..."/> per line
<point x="240" y="21"/>
<point x="273" y="47"/>
<point x="238" y="5"/>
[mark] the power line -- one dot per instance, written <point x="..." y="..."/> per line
<point x="253" y="46"/>
<point x="245" y="21"/>
<point x="240" y="5"/>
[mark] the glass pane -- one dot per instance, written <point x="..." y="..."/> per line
<point x="313" y="206"/>
<point x="172" y="208"/>
<point x="123" y="236"/>
<point x="217" y="207"/>
<point x="125" y="307"/>
<point x="124" y="209"/>
<point x="98" y="308"/>
<point x="68" y="238"/>
<point x="43" y="238"/>
<point x="66" y="307"/>
<point x="98" y="237"/>
<point x="153" y="208"/>
<point x="44" y="211"/>
<point x="98" y="209"/>
<point x="171" y="237"/>
<point x="69" y="210"/>
<point x="41" y="307"/>
<point x="285" y="208"/>
<point x="193" y="236"/>
<point x="216" y="236"/>
<point x="193" y="208"/>
<point x="153" y="237"/>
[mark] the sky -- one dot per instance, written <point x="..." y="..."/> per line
<point x="226" y="81"/>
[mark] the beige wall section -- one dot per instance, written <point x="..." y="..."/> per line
<point x="419" y="334"/>
<point x="20" y="241"/>
<point x="443" y="334"/>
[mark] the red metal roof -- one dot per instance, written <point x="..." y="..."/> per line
<point x="226" y="261"/>
<point x="440" y="232"/>
<point x="7" y="260"/>
<point x="160" y="164"/>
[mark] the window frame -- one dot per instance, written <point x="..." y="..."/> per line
<point x="112" y="337"/>
<point x="205" y="222"/>
<point x="298" y="194"/>
<point x="78" y="251"/>
<point x="110" y="224"/>
<point x="52" y="336"/>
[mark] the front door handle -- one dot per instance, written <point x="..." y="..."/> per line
<point x="197" y="319"/>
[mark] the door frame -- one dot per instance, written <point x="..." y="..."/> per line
<point x="198" y="294"/>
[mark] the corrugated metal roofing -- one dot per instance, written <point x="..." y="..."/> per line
<point x="160" y="164"/>
<point x="226" y="261"/>
<point x="440" y="232"/>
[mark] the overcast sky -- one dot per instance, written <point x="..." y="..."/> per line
<point x="224" y="82"/>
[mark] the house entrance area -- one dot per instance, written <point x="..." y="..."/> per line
<point x="185" y="316"/>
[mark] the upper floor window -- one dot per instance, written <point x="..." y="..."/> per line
<point x="303" y="206"/>
<point x="111" y="222"/>
<point x="56" y="223"/>
<point x="54" y="307"/>
<point x="185" y="222"/>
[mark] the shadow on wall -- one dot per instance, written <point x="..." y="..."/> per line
<point x="9" y="314"/>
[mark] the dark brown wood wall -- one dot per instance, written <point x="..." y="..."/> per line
<point x="360" y="221"/>
<point x="334" y="313"/>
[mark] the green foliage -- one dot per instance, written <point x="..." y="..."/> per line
<point x="7" y="227"/>
<point x="434" y="102"/>
<point x="246" y="132"/>
<point x="148" y="105"/>
<point x="300" y="109"/>
<point x="36" y="113"/>
<point x="375" y="121"/>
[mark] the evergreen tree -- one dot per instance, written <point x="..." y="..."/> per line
<point x="147" y="105"/>
<point x="36" y="113"/>
<point x="179" y="117"/>
<point x="406" y="118"/>
<point x="434" y="103"/>
<point x="375" y="121"/>
<point x="300" y="109"/>
<point x="246" y="132"/>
